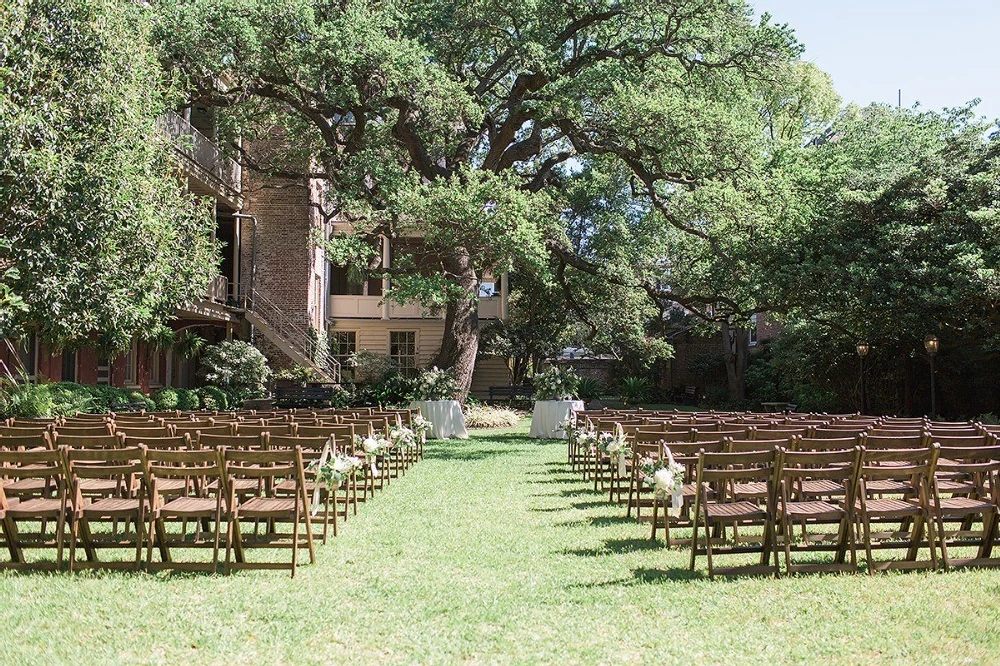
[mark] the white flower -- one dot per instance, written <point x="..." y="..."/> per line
<point x="371" y="444"/>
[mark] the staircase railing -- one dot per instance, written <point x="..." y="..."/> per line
<point x="296" y="337"/>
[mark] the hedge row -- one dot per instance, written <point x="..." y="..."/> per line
<point x="68" y="398"/>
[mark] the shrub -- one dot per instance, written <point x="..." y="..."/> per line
<point x="589" y="389"/>
<point x="105" y="396"/>
<point x="187" y="399"/>
<point x="238" y="368"/>
<point x="393" y="390"/>
<point x="167" y="398"/>
<point x="213" y="398"/>
<point x="342" y="396"/>
<point x="636" y="390"/>
<point x="556" y="383"/>
<point x="435" y="384"/>
<point x="138" y="396"/>
<point x="299" y="374"/>
<point x="24" y="399"/>
<point x="69" y="398"/>
<point x="485" y="416"/>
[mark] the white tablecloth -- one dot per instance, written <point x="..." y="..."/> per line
<point x="550" y="414"/>
<point x="445" y="416"/>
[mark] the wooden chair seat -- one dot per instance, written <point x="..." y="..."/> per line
<point x="24" y="486"/>
<point x="98" y="486"/>
<point x="823" y="487"/>
<point x="964" y="505"/>
<point x="955" y="486"/>
<point x="190" y="507"/>
<point x="267" y="507"/>
<point x="817" y="509"/>
<point x="729" y="511"/>
<point x="892" y="508"/>
<point x="753" y="489"/>
<point x="111" y="506"/>
<point x="888" y="486"/>
<point x="36" y="506"/>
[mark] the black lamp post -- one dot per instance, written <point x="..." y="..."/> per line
<point x="932" y="344"/>
<point x="863" y="350"/>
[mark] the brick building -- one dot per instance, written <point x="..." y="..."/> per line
<point x="274" y="287"/>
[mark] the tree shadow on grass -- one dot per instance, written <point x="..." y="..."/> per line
<point x="616" y="547"/>
<point x="588" y="505"/>
<point x="466" y="453"/>
<point x="647" y="576"/>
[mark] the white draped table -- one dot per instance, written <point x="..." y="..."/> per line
<point x="445" y="416"/>
<point x="549" y="415"/>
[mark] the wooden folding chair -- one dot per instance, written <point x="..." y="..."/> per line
<point x="685" y="454"/>
<point x="908" y="473"/>
<point x="192" y="471"/>
<point x="124" y="502"/>
<point x="972" y="481"/>
<point x="269" y="468"/>
<point x="720" y="471"/>
<point x="34" y="492"/>
<point x="818" y="488"/>
<point x="314" y="450"/>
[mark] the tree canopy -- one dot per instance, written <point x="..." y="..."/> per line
<point x="99" y="235"/>
<point x="485" y="110"/>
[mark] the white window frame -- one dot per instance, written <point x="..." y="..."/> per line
<point x="752" y="331"/>
<point x="416" y="347"/>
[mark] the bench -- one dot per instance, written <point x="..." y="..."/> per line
<point x="687" y="395"/>
<point x="310" y="395"/>
<point x="510" y="392"/>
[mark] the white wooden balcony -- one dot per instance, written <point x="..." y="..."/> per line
<point x="372" y="307"/>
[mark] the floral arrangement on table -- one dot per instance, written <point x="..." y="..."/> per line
<point x="420" y="426"/>
<point x="335" y="469"/>
<point x="435" y="384"/>
<point x="556" y="383"/>
<point x="665" y="477"/>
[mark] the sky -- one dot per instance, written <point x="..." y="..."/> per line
<point x="941" y="53"/>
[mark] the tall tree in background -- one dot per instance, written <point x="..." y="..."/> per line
<point x="97" y="232"/>
<point x="463" y="121"/>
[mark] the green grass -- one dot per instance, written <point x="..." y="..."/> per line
<point x="491" y="551"/>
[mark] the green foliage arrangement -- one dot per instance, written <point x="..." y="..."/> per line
<point x="299" y="374"/>
<point x="138" y="397"/>
<point x="237" y="367"/>
<point x="167" y="399"/>
<point x="556" y="383"/>
<point x="213" y="398"/>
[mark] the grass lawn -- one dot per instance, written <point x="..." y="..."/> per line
<point x="491" y="551"/>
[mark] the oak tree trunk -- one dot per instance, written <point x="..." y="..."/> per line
<point x="735" y="348"/>
<point x="461" y="323"/>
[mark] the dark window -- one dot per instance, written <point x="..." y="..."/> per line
<point x="69" y="366"/>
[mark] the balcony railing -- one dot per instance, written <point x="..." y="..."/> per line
<point x="371" y="307"/>
<point x="202" y="151"/>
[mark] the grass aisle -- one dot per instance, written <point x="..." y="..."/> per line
<point x="490" y="551"/>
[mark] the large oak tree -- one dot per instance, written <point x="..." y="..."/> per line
<point x="463" y="121"/>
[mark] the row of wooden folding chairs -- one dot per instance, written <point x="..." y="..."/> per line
<point x="137" y="492"/>
<point x="913" y="495"/>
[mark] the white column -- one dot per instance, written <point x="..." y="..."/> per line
<point x="385" y="281"/>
